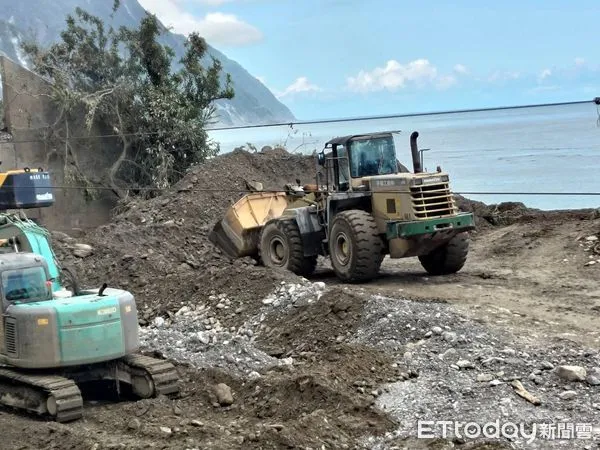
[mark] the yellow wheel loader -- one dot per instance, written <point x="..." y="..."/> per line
<point x="365" y="205"/>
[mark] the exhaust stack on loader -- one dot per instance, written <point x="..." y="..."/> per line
<point x="368" y="207"/>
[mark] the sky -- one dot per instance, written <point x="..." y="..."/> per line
<point x="348" y="58"/>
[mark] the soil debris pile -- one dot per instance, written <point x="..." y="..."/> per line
<point x="508" y="213"/>
<point x="298" y="397"/>
<point x="591" y="245"/>
<point x="223" y="336"/>
<point x="207" y="190"/>
<point x="159" y="248"/>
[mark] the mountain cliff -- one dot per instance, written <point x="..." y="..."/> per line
<point x="43" y="20"/>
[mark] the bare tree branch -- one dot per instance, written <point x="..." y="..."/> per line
<point x="123" y="79"/>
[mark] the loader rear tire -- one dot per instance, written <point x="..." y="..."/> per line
<point x="355" y="246"/>
<point x="448" y="258"/>
<point x="281" y="246"/>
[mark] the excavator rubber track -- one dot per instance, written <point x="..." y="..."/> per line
<point x="51" y="395"/>
<point x="162" y="376"/>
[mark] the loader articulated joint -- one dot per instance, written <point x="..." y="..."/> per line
<point x="414" y="148"/>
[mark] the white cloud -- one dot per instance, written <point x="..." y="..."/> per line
<point x="393" y="76"/>
<point x="542" y="89"/>
<point x="544" y="74"/>
<point x="445" y="81"/>
<point x="217" y="28"/>
<point x="262" y="79"/>
<point x="503" y="76"/>
<point x="461" y="69"/>
<point x="227" y="29"/>
<point x="579" y="61"/>
<point x="300" y="85"/>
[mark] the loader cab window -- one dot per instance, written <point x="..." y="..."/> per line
<point x="342" y="154"/>
<point x="376" y="156"/>
<point x="25" y="285"/>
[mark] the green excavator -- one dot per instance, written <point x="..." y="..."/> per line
<point x="53" y="334"/>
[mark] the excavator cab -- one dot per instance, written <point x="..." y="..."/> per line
<point x="28" y="284"/>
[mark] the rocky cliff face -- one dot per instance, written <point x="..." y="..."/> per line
<point x="44" y="19"/>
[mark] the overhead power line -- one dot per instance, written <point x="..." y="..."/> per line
<point x="232" y="190"/>
<point x="398" y="116"/>
<point x="319" y="121"/>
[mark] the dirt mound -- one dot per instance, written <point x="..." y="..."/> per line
<point x="295" y="410"/>
<point x="160" y="250"/>
<point x="204" y="194"/>
<point x="508" y="213"/>
<point x="312" y="327"/>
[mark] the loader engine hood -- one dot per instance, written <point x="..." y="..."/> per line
<point x="406" y="181"/>
<point x="409" y="196"/>
<point x="84" y="329"/>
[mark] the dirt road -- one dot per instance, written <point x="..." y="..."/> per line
<point x="529" y="276"/>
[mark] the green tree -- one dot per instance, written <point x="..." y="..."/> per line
<point x="123" y="79"/>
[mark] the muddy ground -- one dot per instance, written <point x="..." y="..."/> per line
<point x="316" y="364"/>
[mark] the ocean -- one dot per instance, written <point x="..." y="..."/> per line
<point x="539" y="149"/>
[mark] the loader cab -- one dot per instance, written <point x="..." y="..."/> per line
<point x="351" y="158"/>
<point x="337" y="167"/>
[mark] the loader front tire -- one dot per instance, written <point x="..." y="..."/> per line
<point x="355" y="247"/>
<point x="281" y="247"/>
<point x="449" y="258"/>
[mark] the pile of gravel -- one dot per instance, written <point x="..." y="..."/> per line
<point x="467" y="371"/>
<point x="199" y="335"/>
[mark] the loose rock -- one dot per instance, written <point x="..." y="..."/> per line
<point x="571" y="373"/>
<point x="593" y="377"/>
<point x="568" y="395"/>
<point x="134" y="424"/>
<point x="465" y="364"/>
<point x="82" y="250"/>
<point x="224" y="395"/>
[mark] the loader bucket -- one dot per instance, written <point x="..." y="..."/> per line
<point x="220" y="239"/>
<point x="238" y="232"/>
